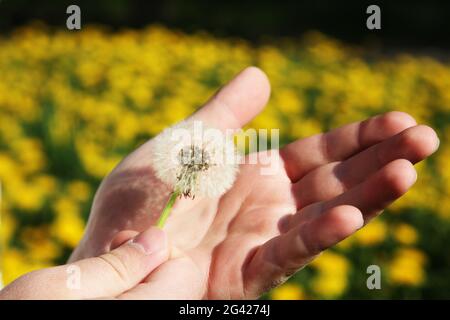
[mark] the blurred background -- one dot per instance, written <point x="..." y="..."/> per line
<point x="73" y="103"/>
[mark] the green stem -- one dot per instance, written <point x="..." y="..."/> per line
<point x="166" y="211"/>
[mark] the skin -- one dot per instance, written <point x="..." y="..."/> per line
<point x="266" y="227"/>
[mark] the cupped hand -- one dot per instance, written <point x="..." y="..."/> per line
<point x="324" y="188"/>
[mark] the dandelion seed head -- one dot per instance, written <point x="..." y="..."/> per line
<point x="195" y="160"/>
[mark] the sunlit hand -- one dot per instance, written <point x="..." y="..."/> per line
<point x="267" y="226"/>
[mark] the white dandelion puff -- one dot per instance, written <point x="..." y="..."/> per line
<point x="195" y="160"/>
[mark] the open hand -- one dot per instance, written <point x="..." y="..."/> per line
<point x="267" y="226"/>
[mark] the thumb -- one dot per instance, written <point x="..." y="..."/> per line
<point x="124" y="267"/>
<point x="238" y="101"/>
<point x="100" y="277"/>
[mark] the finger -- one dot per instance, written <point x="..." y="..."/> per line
<point x="304" y="155"/>
<point x="121" y="237"/>
<point x="105" y="276"/>
<point x="181" y="278"/>
<point x="282" y="256"/>
<point x="370" y="197"/>
<point x="326" y="182"/>
<point x="379" y="191"/>
<point x="237" y="102"/>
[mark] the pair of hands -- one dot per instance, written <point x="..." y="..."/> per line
<point x="256" y="235"/>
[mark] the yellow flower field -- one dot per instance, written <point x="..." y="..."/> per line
<point x="72" y="104"/>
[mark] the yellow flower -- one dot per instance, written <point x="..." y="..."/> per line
<point x="407" y="267"/>
<point x="29" y="153"/>
<point x="26" y="195"/>
<point x="68" y="225"/>
<point x="305" y="128"/>
<point x="79" y="190"/>
<point x="372" y="234"/>
<point x="7" y="225"/>
<point x="94" y="159"/>
<point x="46" y="183"/>
<point x="39" y="245"/>
<point x="15" y="264"/>
<point x="288" y="102"/>
<point x="331" y="280"/>
<point x="330" y="262"/>
<point x="330" y="285"/>
<point x="288" y="291"/>
<point x="405" y="234"/>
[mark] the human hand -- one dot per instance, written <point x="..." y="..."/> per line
<point x="267" y="226"/>
<point x="105" y="276"/>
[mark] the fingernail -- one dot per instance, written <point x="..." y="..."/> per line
<point x="151" y="240"/>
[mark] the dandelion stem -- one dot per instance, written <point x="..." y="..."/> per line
<point x="167" y="209"/>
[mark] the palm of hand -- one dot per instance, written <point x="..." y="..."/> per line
<point x="212" y="239"/>
<point x="267" y="226"/>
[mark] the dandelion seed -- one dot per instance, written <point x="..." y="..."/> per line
<point x="194" y="160"/>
